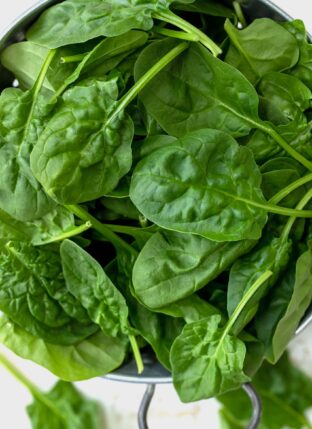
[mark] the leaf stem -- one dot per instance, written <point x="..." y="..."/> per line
<point x="290" y="188"/>
<point x="118" y="242"/>
<point x="136" y="353"/>
<point x="72" y="58"/>
<point x="287" y="228"/>
<point x="239" y="13"/>
<point x="244" y="301"/>
<point x="179" y="22"/>
<point x="68" y="234"/>
<point x="145" y="79"/>
<point x="176" y="34"/>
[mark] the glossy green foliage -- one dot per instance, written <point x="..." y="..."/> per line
<point x="264" y="46"/>
<point x="273" y="255"/>
<point x="21" y="195"/>
<point x="35" y="299"/>
<point x="97" y="148"/>
<point x="206" y="7"/>
<point x="171" y="266"/>
<point x="64" y="407"/>
<point x="205" y="363"/>
<point x="285" y="306"/>
<point x="87" y="20"/>
<point x="197" y="91"/>
<point x="167" y="184"/>
<point x="95" y="356"/>
<point x="285" y="393"/>
<point x="87" y="281"/>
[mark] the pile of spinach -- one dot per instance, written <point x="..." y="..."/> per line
<point x="155" y="190"/>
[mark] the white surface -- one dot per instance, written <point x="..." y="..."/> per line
<point x="120" y="400"/>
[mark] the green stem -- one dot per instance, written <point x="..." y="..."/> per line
<point x="35" y="392"/>
<point x="145" y="79"/>
<point x="176" y="34"/>
<point x="283" y="143"/>
<point x="290" y="188"/>
<point x="283" y="211"/>
<point x="244" y="301"/>
<point x="73" y="58"/>
<point x="136" y="353"/>
<point x="129" y="230"/>
<point x="72" y="233"/>
<point x="302" y="203"/>
<point x="118" y="242"/>
<point x="179" y="22"/>
<point x="239" y="13"/>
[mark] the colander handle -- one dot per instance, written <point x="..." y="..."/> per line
<point x="249" y="389"/>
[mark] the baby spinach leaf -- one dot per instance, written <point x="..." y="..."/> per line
<point x="271" y="254"/>
<point x="63" y="407"/>
<point x="303" y="69"/>
<point x="204" y="362"/>
<point x="197" y="91"/>
<point x="207" y="166"/>
<point x="264" y="46"/>
<point x="87" y="281"/>
<point x="95" y="356"/>
<point x="284" y="307"/>
<point x="27" y="277"/>
<point x="207" y="7"/>
<point x="82" y="154"/>
<point x="172" y="266"/>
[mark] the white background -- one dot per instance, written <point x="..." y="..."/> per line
<point x="120" y="400"/>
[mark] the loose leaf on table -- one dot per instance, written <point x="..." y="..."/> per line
<point x="285" y="394"/>
<point x="172" y="266"/>
<point x="204" y="363"/>
<point x="64" y="407"/>
<point x="33" y="295"/>
<point x="273" y="255"/>
<point x="88" y="282"/>
<point x="197" y="91"/>
<point x="284" y="307"/>
<point x="82" y="154"/>
<point x="206" y="166"/>
<point x="95" y="356"/>
<point x="303" y="69"/>
<point x="76" y="21"/>
<point x="264" y="46"/>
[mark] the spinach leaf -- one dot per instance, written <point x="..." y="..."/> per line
<point x="271" y="254"/>
<point x="264" y="46"/>
<point x="278" y="319"/>
<point x="207" y="7"/>
<point x="95" y="356"/>
<point x="63" y="407"/>
<point x="207" y="166"/>
<point x="87" y="281"/>
<point x="172" y="266"/>
<point x="207" y="359"/>
<point x="82" y="154"/>
<point x="28" y="278"/>
<point x="303" y="69"/>
<point x="197" y="91"/>
<point x="204" y="362"/>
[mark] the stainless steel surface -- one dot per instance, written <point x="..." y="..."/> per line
<point x="256" y="406"/>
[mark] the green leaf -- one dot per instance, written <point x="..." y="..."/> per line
<point x="64" y="407"/>
<point x="32" y="295"/>
<point x="76" y="21"/>
<point x="93" y="357"/>
<point x="269" y="255"/>
<point x="88" y="282"/>
<point x="172" y="266"/>
<point x="205" y="363"/>
<point x="264" y="46"/>
<point x="82" y="154"/>
<point x="207" y="166"/>
<point x="284" y="307"/>
<point x="197" y="91"/>
<point x="207" y="7"/>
